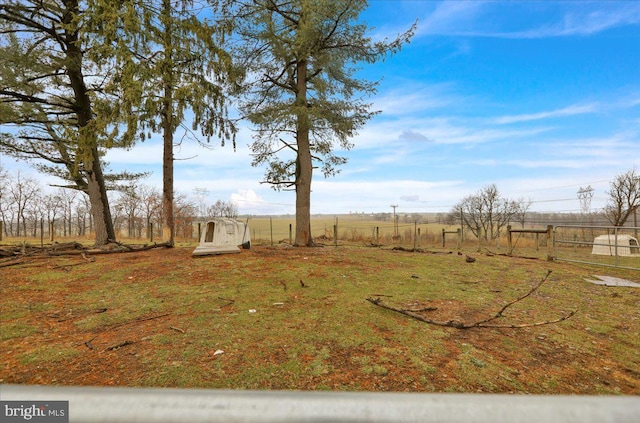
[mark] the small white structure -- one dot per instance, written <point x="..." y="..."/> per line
<point x="222" y="236"/>
<point x="605" y="245"/>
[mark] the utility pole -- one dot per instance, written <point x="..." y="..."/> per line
<point x="395" y="222"/>
<point x="635" y="212"/>
<point x="461" y="225"/>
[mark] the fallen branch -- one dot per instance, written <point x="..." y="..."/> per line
<point x="119" y="345"/>
<point x="125" y="246"/>
<point x="142" y="319"/>
<point x="486" y="323"/>
<point x="229" y="301"/>
<point x="12" y="262"/>
<point x="88" y="343"/>
<point x="71" y="316"/>
<point x="96" y="251"/>
<point x="67" y="266"/>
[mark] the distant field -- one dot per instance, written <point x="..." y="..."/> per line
<point x="350" y="228"/>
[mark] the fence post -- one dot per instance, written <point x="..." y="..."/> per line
<point x="442" y="237"/>
<point x="550" y="243"/>
<point x="615" y="239"/>
<point x="415" y="234"/>
<point x="509" y="241"/>
<point x="459" y="232"/>
<point x="377" y="234"/>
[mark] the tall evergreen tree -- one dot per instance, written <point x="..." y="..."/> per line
<point x="306" y="100"/>
<point x="79" y="76"/>
<point x="177" y="69"/>
<point x="52" y="98"/>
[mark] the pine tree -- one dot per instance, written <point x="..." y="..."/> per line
<point x="305" y="99"/>
<point x="51" y="96"/>
<point x="177" y="66"/>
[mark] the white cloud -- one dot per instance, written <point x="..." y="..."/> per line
<point x="551" y="19"/>
<point x="249" y="202"/>
<point x="411" y="98"/>
<point x="449" y="16"/>
<point x="577" y="109"/>
<point x="581" y="22"/>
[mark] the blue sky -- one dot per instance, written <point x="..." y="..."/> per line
<point x="539" y="97"/>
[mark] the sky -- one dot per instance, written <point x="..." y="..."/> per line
<point x="540" y="98"/>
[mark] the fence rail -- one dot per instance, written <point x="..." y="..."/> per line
<point x="138" y="405"/>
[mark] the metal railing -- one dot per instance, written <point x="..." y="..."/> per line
<point x="140" y="405"/>
<point x="597" y="245"/>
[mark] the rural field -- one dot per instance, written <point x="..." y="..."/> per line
<point x="276" y="317"/>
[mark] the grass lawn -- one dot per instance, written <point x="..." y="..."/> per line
<point x="283" y="318"/>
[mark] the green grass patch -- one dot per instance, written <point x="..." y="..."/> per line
<point x="299" y="319"/>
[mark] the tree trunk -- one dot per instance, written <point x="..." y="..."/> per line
<point x="88" y="144"/>
<point x="97" y="191"/>
<point x="168" y="226"/>
<point x="304" y="164"/>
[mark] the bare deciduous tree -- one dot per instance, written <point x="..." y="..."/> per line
<point x="488" y="212"/>
<point x="23" y="192"/>
<point x="222" y="209"/>
<point x="624" y="197"/>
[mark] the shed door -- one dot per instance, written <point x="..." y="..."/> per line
<point x="209" y="235"/>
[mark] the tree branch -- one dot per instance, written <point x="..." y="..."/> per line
<point x="486" y="323"/>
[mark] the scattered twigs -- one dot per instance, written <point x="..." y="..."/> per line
<point x="229" y="301"/>
<point x="177" y="329"/>
<point x="67" y="266"/>
<point x="485" y="323"/>
<point x="71" y="316"/>
<point x="88" y="343"/>
<point x="118" y="345"/>
<point x="142" y="319"/>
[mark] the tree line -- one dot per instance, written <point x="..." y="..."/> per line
<point x="487" y="213"/>
<point x="26" y="208"/>
<point x="79" y="77"/>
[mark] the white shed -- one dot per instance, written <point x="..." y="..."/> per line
<point x="222" y="236"/>
<point x="605" y="245"/>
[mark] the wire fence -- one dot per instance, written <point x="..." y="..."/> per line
<point x="608" y="246"/>
<point x="588" y="244"/>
